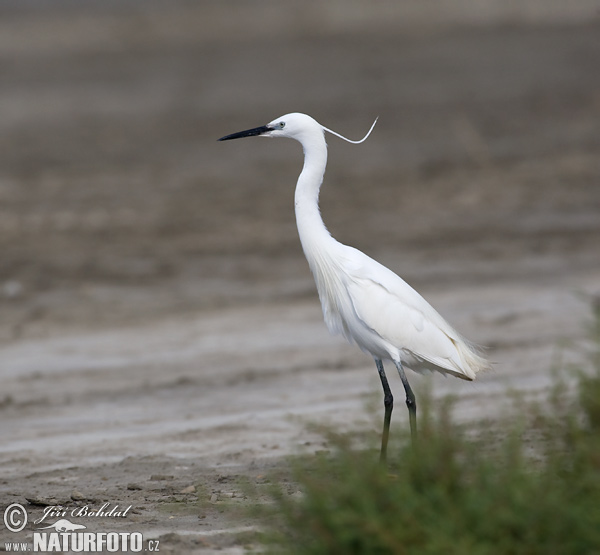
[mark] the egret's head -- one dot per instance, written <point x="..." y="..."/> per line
<point x="291" y="125"/>
<point x="295" y="126"/>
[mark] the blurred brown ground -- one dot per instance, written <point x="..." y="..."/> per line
<point x="152" y="277"/>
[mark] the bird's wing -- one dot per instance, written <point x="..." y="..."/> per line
<point x="390" y="307"/>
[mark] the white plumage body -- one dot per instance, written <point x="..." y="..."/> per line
<point x="374" y="308"/>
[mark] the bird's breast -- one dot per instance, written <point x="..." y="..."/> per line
<point x="339" y="312"/>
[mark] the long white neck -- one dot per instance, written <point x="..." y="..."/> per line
<point x="320" y="248"/>
<point x="313" y="234"/>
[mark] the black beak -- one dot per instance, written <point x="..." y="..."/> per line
<point x="248" y="133"/>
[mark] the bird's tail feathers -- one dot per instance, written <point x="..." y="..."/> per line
<point x="471" y="362"/>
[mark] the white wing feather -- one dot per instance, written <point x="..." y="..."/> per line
<point x="402" y="318"/>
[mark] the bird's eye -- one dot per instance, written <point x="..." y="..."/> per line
<point x="281" y="124"/>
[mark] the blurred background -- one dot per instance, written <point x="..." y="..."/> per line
<point x="154" y="297"/>
<point x="118" y="204"/>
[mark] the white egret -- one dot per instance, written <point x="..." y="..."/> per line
<point x="361" y="299"/>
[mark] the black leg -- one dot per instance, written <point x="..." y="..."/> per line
<point x="388" y="403"/>
<point x="411" y="402"/>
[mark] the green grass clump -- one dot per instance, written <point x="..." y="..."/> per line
<point x="537" y="490"/>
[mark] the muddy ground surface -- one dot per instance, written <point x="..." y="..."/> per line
<point x="160" y="334"/>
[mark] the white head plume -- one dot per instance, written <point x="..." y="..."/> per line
<point x="349" y="140"/>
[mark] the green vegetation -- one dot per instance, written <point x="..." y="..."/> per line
<point x="533" y="490"/>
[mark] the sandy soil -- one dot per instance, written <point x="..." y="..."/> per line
<point x="160" y="332"/>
